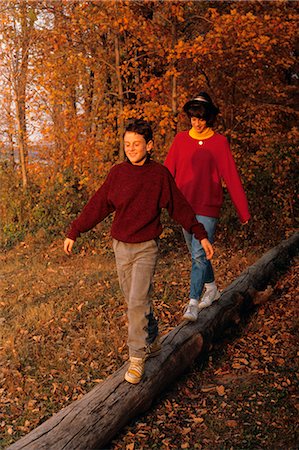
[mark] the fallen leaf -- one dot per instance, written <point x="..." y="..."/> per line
<point x="198" y="419"/>
<point x="231" y="423"/>
<point x="79" y="308"/>
<point x="220" y="390"/>
<point x="207" y="389"/>
<point x="244" y="361"/>
<point x="236" y="366"/>
<point x="262" y="297"/>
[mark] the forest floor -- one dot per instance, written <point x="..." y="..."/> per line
<point x="63" y="330"/>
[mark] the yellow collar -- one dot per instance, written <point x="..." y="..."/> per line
<point x="207" y="133"/>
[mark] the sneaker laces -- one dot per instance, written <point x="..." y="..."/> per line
<point x="190" y="308"/>
<point x="136" y="366"/>
<point x="209" y="297"/>
<point x="154" y="348"/>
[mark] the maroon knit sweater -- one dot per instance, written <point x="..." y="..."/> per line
<point x="137" y="194"/>
<point x="199" y="167"/>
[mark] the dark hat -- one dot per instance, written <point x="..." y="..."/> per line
<point x="201" y="99"/>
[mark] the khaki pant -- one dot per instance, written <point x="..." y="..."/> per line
<point x="136" y="265"/>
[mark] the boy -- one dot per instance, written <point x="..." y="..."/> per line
<point x="136" y="190"/>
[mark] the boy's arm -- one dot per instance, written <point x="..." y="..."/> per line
<point x="68" y="245"/>
<point x="94" y="212"/>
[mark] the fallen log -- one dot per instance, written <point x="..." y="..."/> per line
<point x="94" y="420"/>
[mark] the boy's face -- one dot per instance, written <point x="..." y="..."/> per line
<point x="136" y="148"/>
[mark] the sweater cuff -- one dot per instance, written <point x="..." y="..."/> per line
<point x="72" y="234"/>
<point x="199" y="232"/>
<point x="245" y="218"/>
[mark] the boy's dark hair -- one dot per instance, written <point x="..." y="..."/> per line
<point x="202" y="107"/>
<point x="140" y="126"/>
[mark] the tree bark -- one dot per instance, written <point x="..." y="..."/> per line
<point x="22" y="138"/>
<point x="93" y="421"/>
<point x="20" y="84"/>
<point x="120" y="99"/>
<point x="20" y="79"/>
<point x="174" y="83"/>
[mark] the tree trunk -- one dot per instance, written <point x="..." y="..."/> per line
<point x="120" y="99"/>
<point x="20" y="67"/>
<point x="12" y="160"/>
<point x="93" y="421"/>
<point x="174" y="82"/>
<point x="22" y="139"/>
<point x="89" y="100"/>
<point x="10" y="134"/>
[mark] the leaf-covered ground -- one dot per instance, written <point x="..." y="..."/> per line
<point x="242" y="395"/>
<point x="60" y="336"/>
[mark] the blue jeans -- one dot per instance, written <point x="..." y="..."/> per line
<point x="202" y="270"/>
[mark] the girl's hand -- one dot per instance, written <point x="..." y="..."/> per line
<point x="207" y="246"/>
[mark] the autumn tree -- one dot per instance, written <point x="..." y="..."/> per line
<point x="245" y="58"/>
<point x="74" y="72"/>
<point x="17" y="29"/>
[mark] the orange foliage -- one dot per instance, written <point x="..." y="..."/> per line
<point x="93" y="65"/>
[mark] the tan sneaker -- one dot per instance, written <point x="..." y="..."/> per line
<point x="135" y="370"/>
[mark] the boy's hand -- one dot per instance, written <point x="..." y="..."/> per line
<point x="207" y="246"/>
<point x="68" y="245"/>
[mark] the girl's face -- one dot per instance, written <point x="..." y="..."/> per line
<point x="136" y="148"/>
<point x="199" y="125"/>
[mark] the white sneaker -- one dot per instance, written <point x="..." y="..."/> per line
<point x="191" y="312"/>
<point x="208" y="298"/>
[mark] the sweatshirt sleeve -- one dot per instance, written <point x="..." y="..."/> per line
<point x="229" y="173"/>
<point x="96" y="210"/>
<point x="170" y="161"/>
<point x="179" y="209"/>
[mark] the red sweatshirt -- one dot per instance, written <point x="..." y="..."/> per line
<point x="137" y="194"/>
<point x="199" y="166"/>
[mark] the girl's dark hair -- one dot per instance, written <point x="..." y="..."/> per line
<point x="140" y="126"/>
<point x="202" y="107"/>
